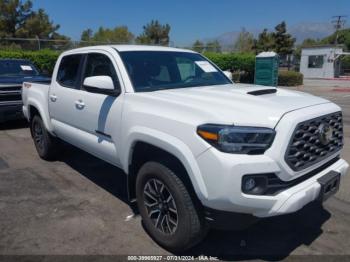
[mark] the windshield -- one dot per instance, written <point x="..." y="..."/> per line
<point x="157" y="70"/>
<point x="17" y="68"/>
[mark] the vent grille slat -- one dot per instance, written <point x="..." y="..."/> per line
<point x="311" y="142"/>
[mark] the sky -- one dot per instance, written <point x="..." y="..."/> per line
<point x="189" y="19"/>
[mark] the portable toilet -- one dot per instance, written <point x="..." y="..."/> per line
<point x="266" y="69"/>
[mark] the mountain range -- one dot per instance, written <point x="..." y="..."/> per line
<point x="300" y="31"/>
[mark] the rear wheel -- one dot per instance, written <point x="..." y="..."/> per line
<point x="168" y="212"/>
<point x="46" y="145"/>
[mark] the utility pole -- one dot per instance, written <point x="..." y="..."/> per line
<point x="338" y="23"/>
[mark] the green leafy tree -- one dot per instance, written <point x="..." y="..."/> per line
<point x="213" y="46"/>
<point x="13" y="14"/>
<point x="283" y="42"/>
<point x="119" y="34"/>
<point x="86" y="35"/>
<point x="310" y="42"/>
<point x="198" y="46"/>
<point x="17" y="19"/>
<point x="155" y="33"/>
<point x="340" y="37"/>
<point x="38" y="24"/>
<point x="244" y="42"/>
<point x="265" y="42"/>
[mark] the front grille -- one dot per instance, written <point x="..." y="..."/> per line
<point x="10" y="93"/>
<point x="10" y="87"/>
<point x="311" y="143"/>
<point x="10" y="96"/>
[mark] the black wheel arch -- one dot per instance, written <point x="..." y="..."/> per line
<point x="143" y="152"/>
<point x="33" y="111"/>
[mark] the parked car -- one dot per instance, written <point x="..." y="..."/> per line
<point x="198" y="150"/>
<point x="13" y="72"/>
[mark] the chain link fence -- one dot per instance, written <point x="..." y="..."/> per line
<point x="35" y="44"/>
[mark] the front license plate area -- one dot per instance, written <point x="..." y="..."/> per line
<point x="329" y="185"/>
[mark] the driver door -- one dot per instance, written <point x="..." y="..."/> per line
<point x="99" y="114"/>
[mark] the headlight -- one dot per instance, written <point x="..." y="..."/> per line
<point x="237" y="139"/>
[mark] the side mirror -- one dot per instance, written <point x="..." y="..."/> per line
<point x="228" y="74"/>
<point x="100" y="84"/>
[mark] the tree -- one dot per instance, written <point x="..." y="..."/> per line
<point x="13" y="14"/>
<point x="283" y="42"/>
<point x="244" y="42"/>
<point x="213" y="46"/>
<point x="38" y="24"/>
<point x="310" y="42"/>
<point x="340" y="37"/>
<point x="265" y="42"/>
<point x="17" y="19"/>
<point x="86" y="35"/>
<point x="155" y="33"/>
<point x="198" y="46"/>
<point x="119" y="34"/>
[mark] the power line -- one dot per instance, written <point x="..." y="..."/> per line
<point x="338" y="23"/>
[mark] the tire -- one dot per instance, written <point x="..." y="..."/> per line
<point x="46" y="145"/>
<point x="155" y="178"/>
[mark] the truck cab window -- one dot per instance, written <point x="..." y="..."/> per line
<point x="100" y="65"/>
<point x="67" y="74"/>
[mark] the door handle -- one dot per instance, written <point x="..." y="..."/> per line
<point x="79" y="104"/>
<point x="53" y="98"/>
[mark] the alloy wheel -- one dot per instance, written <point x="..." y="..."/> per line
<point x="38" y="135"/>
<point x="160" y="206"/>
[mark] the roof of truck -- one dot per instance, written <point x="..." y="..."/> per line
<point x="121" y="48"/>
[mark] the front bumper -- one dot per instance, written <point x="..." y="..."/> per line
<point x="223" y="174"/>
<point x="10" y="111"/>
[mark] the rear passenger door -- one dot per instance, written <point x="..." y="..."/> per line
<point x="64" y="93"/>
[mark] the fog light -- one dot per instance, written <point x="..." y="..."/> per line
<point x="254" y="184"/>
<point x="249" y="184"/>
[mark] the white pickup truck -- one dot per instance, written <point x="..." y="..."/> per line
<point x="198" y="150"/>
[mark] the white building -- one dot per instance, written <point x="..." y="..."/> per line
<point x="321" y="61"/>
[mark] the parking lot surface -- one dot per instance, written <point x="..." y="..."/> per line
<point x="77" y="206"/>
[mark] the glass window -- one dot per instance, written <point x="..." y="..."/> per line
<point x="156" y="70"/>
<point x="17" y="68"/>
<point x="100" y="65"/>
<point x="67" y="74"/>
<point x="186" y="68"/>
<point x="315" y="61"/>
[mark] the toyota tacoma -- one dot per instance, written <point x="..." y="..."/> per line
<point x="198" y="150"/>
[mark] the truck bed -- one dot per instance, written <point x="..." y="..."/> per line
<point x="36" y="94"/>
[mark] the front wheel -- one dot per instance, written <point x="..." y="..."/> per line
<point x="167" y="210"/>
<point x="46" y="145"/>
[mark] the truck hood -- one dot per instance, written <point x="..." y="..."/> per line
<point x="238" y="104"/>
<point x="18" y="80"/>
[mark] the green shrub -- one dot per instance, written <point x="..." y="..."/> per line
<point x="235" y="61"/>
<point x="44" y="60"/>
<point x="290" y="78"/>
<point x="345" y="62"/>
